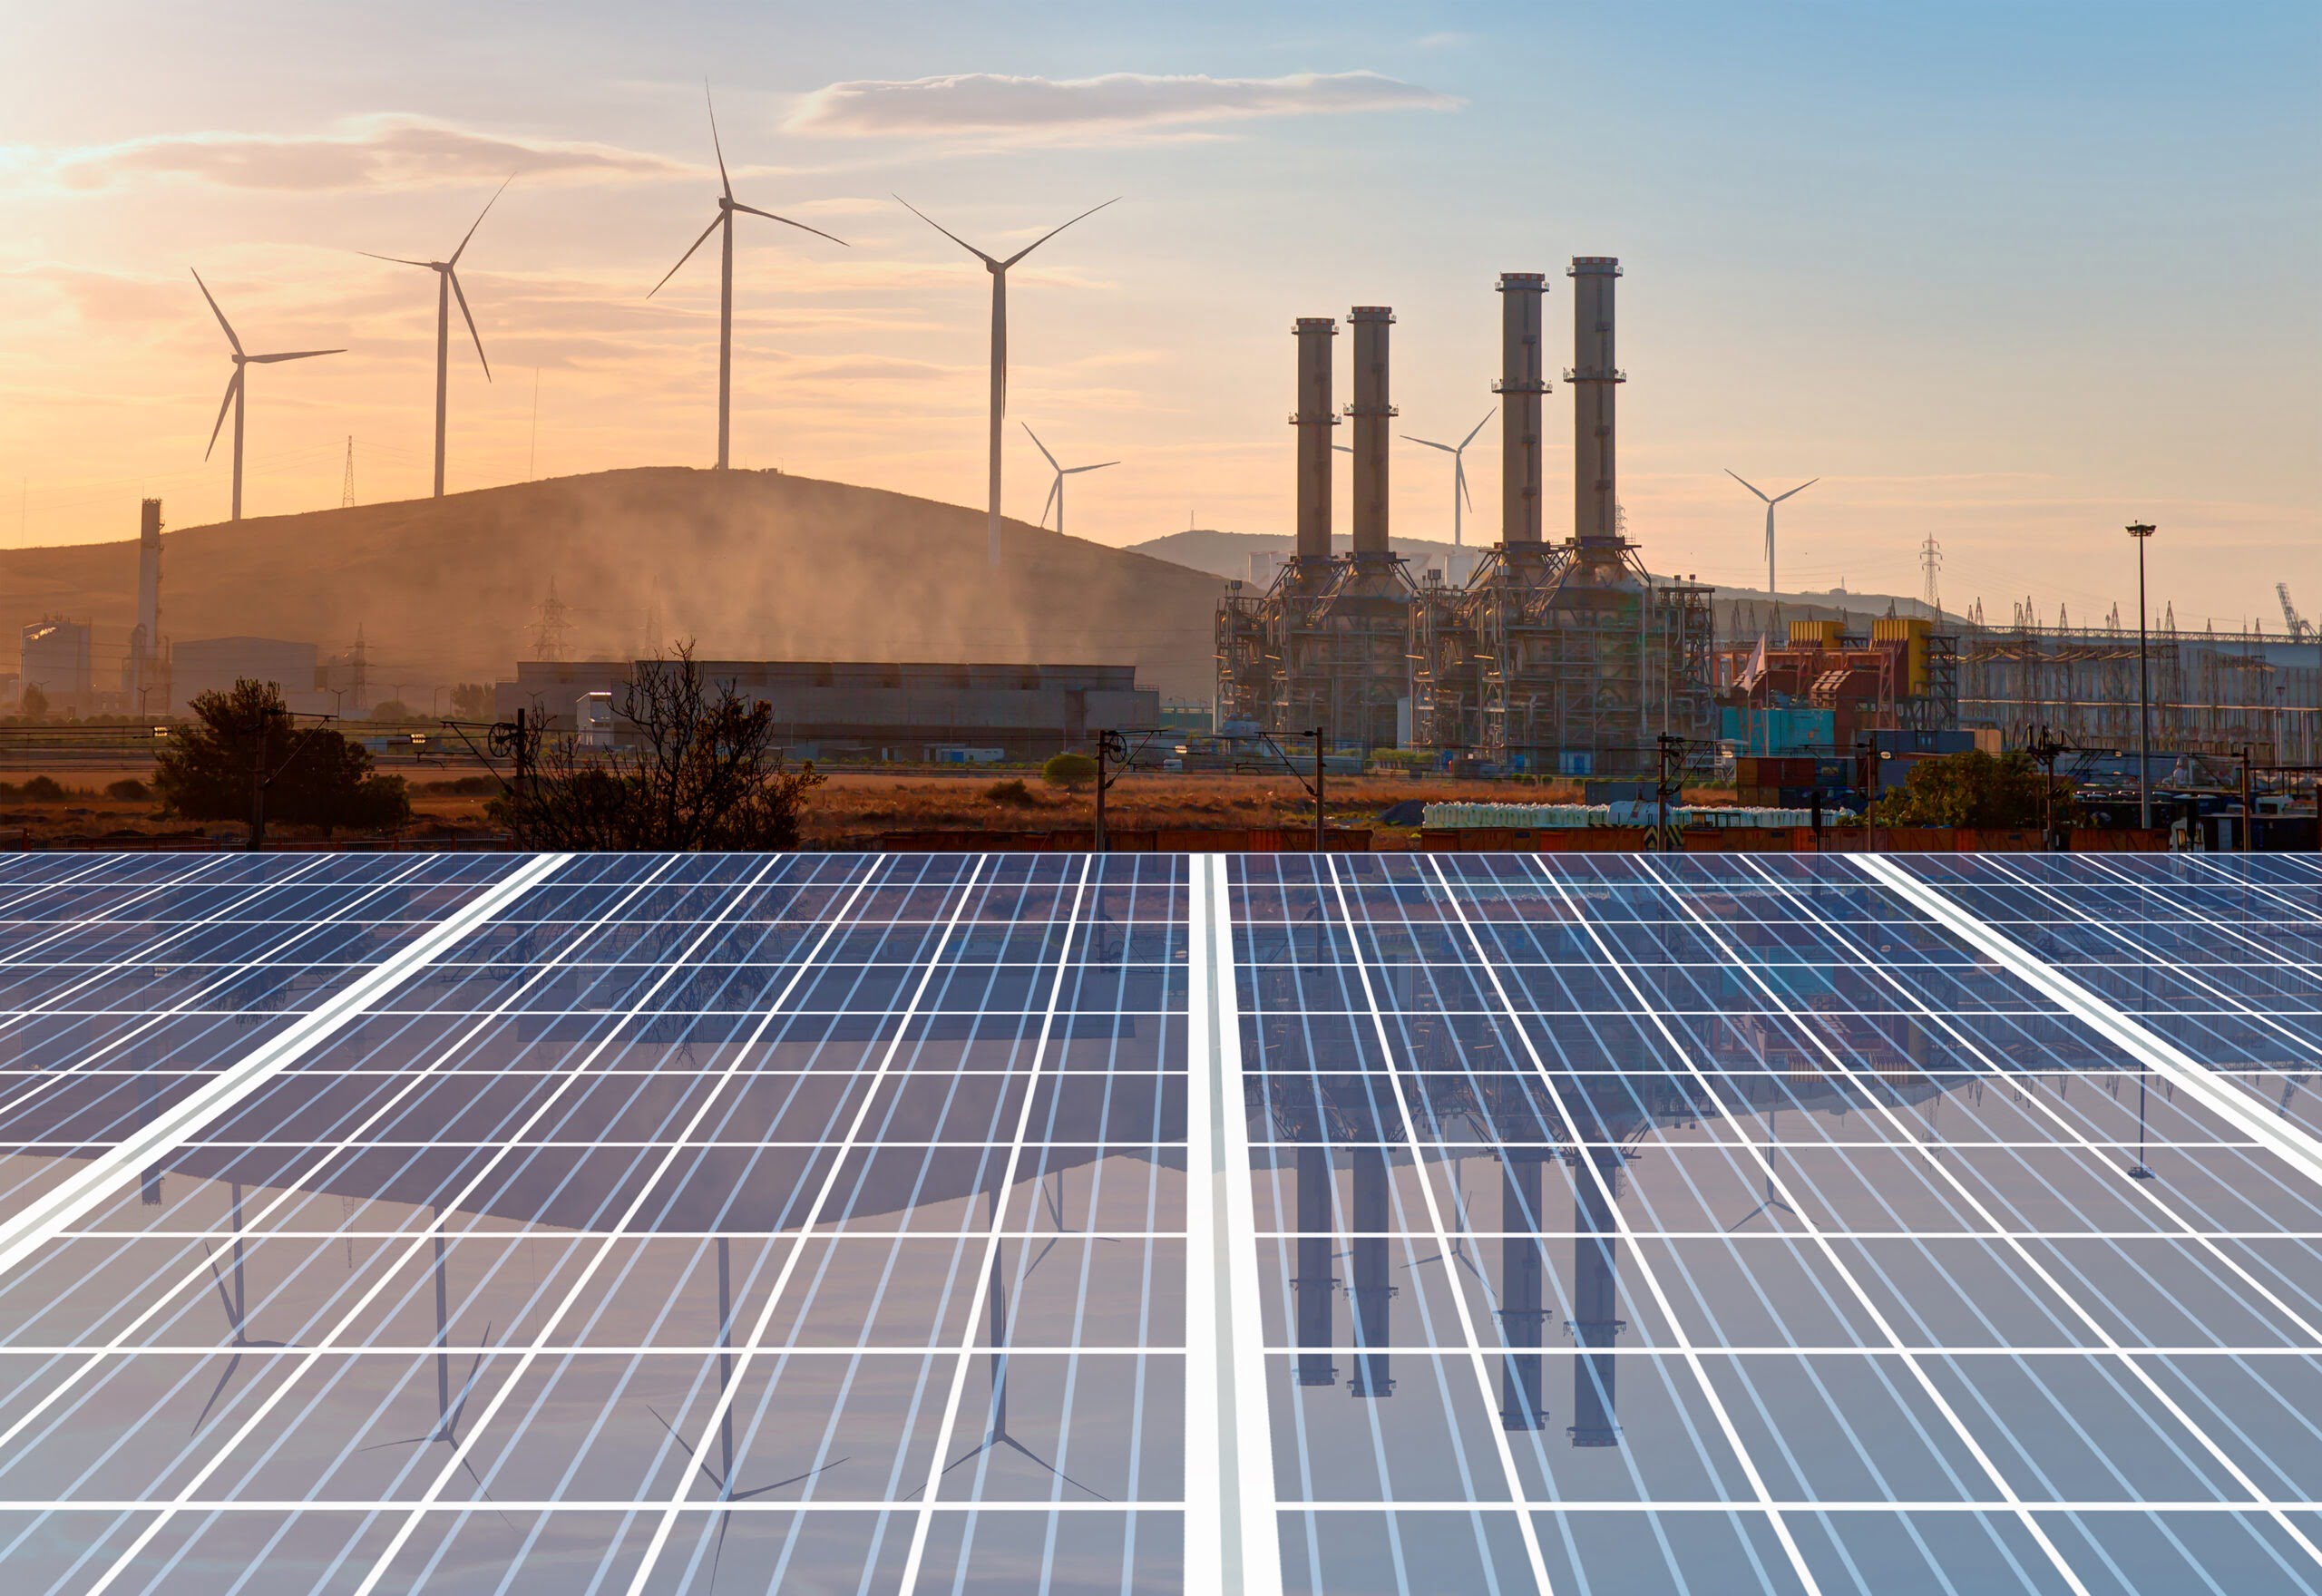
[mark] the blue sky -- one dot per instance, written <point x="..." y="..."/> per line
<point x="2008" y="275"/>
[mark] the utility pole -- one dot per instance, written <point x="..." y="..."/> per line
<point x="1318" y="822"/>
<point x="257" y="784"/>
<point x="2248" y="809"/>
<point x="2142" y="532"/>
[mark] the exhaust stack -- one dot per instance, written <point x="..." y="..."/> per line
<point x="1520" y="388"/>
<point x="145" y="641"/>
<point x="1314" y="422"/>
<point x="1596" y="510"/>
<point x="1371" y="412"/>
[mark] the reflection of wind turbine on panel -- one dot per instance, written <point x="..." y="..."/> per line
<point x="447" y="1410"/>
<point x="999" y="270"/>
<point x="1056" y="490"/>
<point x="1458" y="451"/>
<point x="237" y="1311"/>
<point x="726" y="206"/>
<point x="447" y="289"/>
<point x="1773" y="1154"/>
<point x="1770" y="519"/>
<point x="234" y="387"/>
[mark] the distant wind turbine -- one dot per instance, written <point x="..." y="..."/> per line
<point x="233" y="399"/>
<point x="1770" y="519"/>
<point x="1459" y="472"/>
<point x="1056" y="491"/>
<point x="726" y="206"/>
<point x="999" y="270"/>
<point x="447" y="289"/>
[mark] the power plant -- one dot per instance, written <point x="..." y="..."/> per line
<point x="1564" y="657"/>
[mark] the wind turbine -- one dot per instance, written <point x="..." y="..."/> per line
<point x="1459" y="472"/>
<point x="234" y="387"/>
<point x="1770" y="519"/>
<point x="447" y="289"/>
<point x="999" y="270"/>
<point x="726" y="206"/>
<point x="1056" y="491"/>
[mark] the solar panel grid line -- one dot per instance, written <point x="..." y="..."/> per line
<point x="1680" y="1055"/>
<point x="482" y="1425"/>
<point x="2069" y="1298"/>
<point x="1440" y="1232"/>
<point x="2299" y="1150"/>
<point x="58" y="930"/>
<point x="955" y="1393"/>
<point x="21" y="1233"/>
<point x="162" y="1296"/>
<point x="2147" y="1192"/>
<point x="1212" y="1412"/>
<point x="1246" y="1451"/>
<point x="962" y="895"/>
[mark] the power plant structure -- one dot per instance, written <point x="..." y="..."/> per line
<point x="1565" y="658"/>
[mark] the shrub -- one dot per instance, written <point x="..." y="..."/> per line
<point x="1970" y="789"/>
<point x="1069" y="770"/>
<point x="128" y="790"/>
<point x="45" y="789"/>
<point x="314" y="777"/>
<point x="1014" y="794"/>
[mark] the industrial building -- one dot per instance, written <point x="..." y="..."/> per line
<point x="1565" y="656"/>
<point x="828" y="709"/>
<point x="54" y="654"/>
<point x="144" y="674"/>
<point x="213" y="665"/>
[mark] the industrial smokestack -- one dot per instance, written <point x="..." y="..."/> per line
<point x="1595" y="513"/>
<point x="145" y="641"/>
<point x="1371" y="412"/>
<point x="1314" y="421"/>
<point x="1520" y="388"/>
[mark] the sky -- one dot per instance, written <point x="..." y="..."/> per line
<point x="2007" y="276"/>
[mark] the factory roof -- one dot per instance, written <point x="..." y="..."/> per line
<point x="1271" y="1222"/>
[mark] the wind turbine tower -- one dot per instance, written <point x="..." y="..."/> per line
<point x="999" y="270"/>
<point x="1459" y="495"/>
<point x="724" y="220"/>
<point x="1056" y="491"/>
<point x="234" y="387"/>
<point x="1770" y="519"/>
<point x="447" y="289"/>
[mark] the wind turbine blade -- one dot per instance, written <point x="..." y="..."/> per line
<point x="785" y="222"/>
<point x="233" y="386"/>
<point x="1750" y="486"/>
<point x="1048" y="503"/>
<point x="220" y="315"/>
<point x="293" y="354"/>
<point x="723" y="181"/>
<point x="1800" y="489"/>
<point x="462" y="298"/>
<point x="687" y="255"/>
<point x="1074" y="471"/>
<point x="480" y="215"/>
<point x="1428" y="444"/>
<point x="1460" y="476"/>
<point x="1478" y="427"/>
<point x="1053" y="231"/>
<point x="398" y="259"/>
<point x="1043" y="448"/>
<point x="947" y="232"/>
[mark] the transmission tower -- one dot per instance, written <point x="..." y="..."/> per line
<point x="551" y="622"/>
<point x="347" y="489"/>
<point x="1930" y="562"/>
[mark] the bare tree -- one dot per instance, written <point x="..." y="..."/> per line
<point x="693" y="768"/>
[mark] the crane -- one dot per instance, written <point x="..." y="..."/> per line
<point x="2300" y="627"/>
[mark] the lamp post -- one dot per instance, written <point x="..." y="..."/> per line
<point x="2142" y="531"/>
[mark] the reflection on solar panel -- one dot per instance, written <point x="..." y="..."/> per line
<point x="1353" y="1223"/>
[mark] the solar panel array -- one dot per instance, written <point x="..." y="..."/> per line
<point x="1354" y="1223"/>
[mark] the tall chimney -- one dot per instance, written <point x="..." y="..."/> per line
<point x="1314" y="422"/>
<point x="1371" y="412"/>
<point x="1520" y="388"/>
<point x="1596" y="512"/>
<point x="145" y="641"/>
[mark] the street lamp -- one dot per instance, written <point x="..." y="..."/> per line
<point x="2142" y="531"/>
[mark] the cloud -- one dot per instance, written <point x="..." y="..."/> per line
<point x="1118" y="105"/>
<point x="361" y="152"/>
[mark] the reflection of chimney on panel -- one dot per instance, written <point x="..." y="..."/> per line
<point x="1314" y="422"/>
<point x="1371" y="412"/>
<point x="1523" y="1315"/>
<point x="1315" y="1282"/>
<point x="1519" y="387"/>
<point x="1595" y="515"/>
<point x="1595" y="1300"/>
<point x="1373" y="1332"/>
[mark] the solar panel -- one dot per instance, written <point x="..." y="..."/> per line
<point x="1274" y="1223"/>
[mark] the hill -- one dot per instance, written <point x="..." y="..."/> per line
<point x="749" y="564"/>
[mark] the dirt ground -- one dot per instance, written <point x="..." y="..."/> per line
<point x="850" y="805"/>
